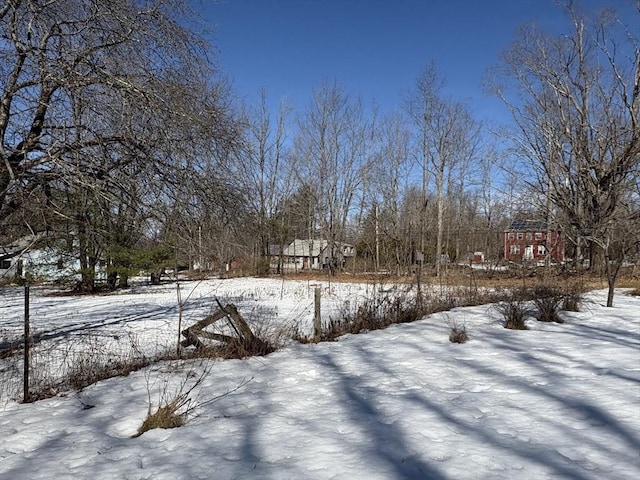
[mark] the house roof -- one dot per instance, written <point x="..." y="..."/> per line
<point x="19" y="245"/>
<point x="522" y="225"/>
<point x="313" y="248"/>
<point x="304" y="248"/>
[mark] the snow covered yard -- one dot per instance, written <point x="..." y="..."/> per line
<point x="71" y="330"/>
<point x="555" y="401"/>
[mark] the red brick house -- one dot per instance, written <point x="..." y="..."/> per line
<point x="526" y="240"/>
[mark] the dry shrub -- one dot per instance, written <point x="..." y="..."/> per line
<point x="487" y="296"/>
<point x="514" y="312"/>
<point x="373" y="314"/>
<point x="94" y="360"/>
<point x="87" y="369"/>
<point x="444" y="304"/>
<point x="401" y="311"/>
<point x="240" y="348"/>
<point x="174" y="405"/>
<point x="82" y="361"/>
<point x="457" y="333"/>
<point x="573" y="298"/>
<point x="547" y="301"/>
<point x="10" y="378"/>
<point x="165" y="416"/>
<point x="380" y="312"/>
<point x="522" y="294"/>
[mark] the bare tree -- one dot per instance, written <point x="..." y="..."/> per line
<point x="493" y="205"/>
<point x="97" y="95"/>
<point x="391" y="172"/>
<point x="575" y="100"/>
<point x="449" y="138"/>
<point x="332" y="152"/>
<point x="263" y="170"/>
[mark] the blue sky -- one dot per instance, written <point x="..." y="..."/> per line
<point x="374" y="48"/>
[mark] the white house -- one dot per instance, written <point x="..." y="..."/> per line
<point x="314" y="254"/>
<point x="32" y="255"/>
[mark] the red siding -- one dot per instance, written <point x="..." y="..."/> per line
<point x="517" y="243"/>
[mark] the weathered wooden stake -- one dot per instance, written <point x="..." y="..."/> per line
<point x="317" y="320"/>
<point x="26" y="344"/>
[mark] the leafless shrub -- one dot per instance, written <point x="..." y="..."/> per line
<point x="373" y="314"/>
<point x="442" y="304"/>
<point x="239" y="348"/>
<point x="547" y="300"/>
<point x="486" y="296"/>
<point x="522" y="294"/>
<point x="457" y="333"/>
<point x="165" y="416"/>
<point x="514" y="312"/>
<point x="380" y="312"/>
<point x="572" y="298"/>
<point x="89" y="369"/>
<point x="73" y="364"/>
<point x="175" y="403"/>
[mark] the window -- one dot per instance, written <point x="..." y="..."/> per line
<point x="511" y="235"/>
<point x="515" y="249"/>
<point x="538" y="235"/>
<point x="5" y="264"/>
<point x="541" y="250"/>
<point x="520" y="235"/>
<point x="529" y="235"/>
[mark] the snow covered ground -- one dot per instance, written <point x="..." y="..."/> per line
<point x="556" y="401"/>
<point x="144" y="321"/>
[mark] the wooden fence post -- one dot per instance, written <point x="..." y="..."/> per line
<point x="317" y="320"/>
<point x="26" y="344"/>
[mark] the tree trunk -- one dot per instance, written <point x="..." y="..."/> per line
<point x="112" y="278"/>
<point x="123" y="281"/>
<point x="155" y="277"/>
<point x="612" y="267"/>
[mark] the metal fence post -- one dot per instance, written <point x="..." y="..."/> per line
<point x="317" y="320"/>
<point x="26" y="344"/>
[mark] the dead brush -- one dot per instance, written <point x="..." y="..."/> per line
<point x="547" y="301"/>
<point x="407" y="313"/>
<point x="165" y="416"/>
<point x="493" y="295"/>
<point x="93" y="359"/>
<point x="514" y="312"/>
<point x="89" y="369"/>
<point x="175" y="404"/>
<point x="444" y="304"/>
<point x="373" y="314"/>
<point x="573" y="298"/>
<point x="238" y="349"/>
<point x="83" y="360"/>
<point x="367" y="317"/>
<point x="457" y="333"/>
<point x="10" y="376"/>
<point x="264" y="338"/>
